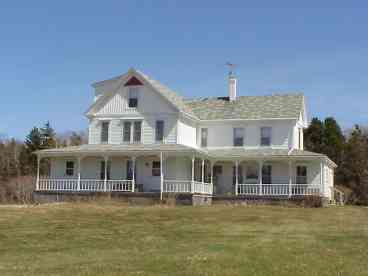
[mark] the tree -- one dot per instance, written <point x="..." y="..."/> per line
<point x="32" y="143"/>
<point x="76" y="139"/>
<point x="313" y="136"/>
<point x="333" y="140"/>
<point x="354" y="166"/>
<point x="48" y="136"/>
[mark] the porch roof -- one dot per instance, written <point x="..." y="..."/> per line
<point x="111" y="149"/>
<point x="230" y="153"/>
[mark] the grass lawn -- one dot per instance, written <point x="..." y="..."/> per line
<point x="113" y="239"/>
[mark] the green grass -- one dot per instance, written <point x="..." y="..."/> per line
<point x="113" y="239"/>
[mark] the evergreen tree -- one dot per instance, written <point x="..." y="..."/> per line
<point x="333" y="140"/>
<point x="313" y="136"/>
<point x="48" y="136"/>
<point x="32" y="143"/>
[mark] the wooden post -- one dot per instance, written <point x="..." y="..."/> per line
<point x="106" y="159"/>
<point x="290" y="178"/>
<point x="236" y="176"/>
<point x="161" y="175"/>
<point x="192" y="183"/>
<point x="202" y="190"/>
<point x="38" y="173"/>
<point x="79" y="173"/>
<point x="260" y="164"/>
<point x="133" y="174"/>
<point x="211" y="178"/>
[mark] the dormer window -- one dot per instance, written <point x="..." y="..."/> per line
<point x="133" y="97"/>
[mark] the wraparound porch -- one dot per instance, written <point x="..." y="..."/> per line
<point x="184" y="172"/>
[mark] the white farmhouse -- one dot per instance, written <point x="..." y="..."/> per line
<point x="143" y="137"/>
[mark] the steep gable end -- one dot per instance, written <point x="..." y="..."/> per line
<point x="133" y="81"/>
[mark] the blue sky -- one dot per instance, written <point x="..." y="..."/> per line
<point x="51" y="51"/>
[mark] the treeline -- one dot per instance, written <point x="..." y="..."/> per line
<point x="348" y="150"/>
<point x="18" y="163"/>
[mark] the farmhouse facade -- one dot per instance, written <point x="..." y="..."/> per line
<point x="143" y="137"/>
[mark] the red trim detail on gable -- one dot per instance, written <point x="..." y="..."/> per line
<point x="133" y="81"/>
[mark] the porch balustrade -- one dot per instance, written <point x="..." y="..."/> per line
<point x="48" y="184"/>
<point x="278" y="189"/>
<point x="187" y="186"/>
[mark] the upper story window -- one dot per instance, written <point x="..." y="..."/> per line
<point x="132" y="131"/>
<point x="266" y="136"/>
<point x="238" y="140"/>
<point x="301" y="175"/>
<point x="133" y="97"/>
<point x="204" y="137"/>
<point x="69" y="168"/>
<point x="105" y="132"/>
<point x="159" y="133"/>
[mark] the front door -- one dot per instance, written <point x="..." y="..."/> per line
<point x="217" y="179"/>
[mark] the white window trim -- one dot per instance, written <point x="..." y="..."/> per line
<point x="128" y="96"/>
<point x="66" y="168"/>
<point x="201" y="137"/>
<point x="260" y="136"/>
<point x="243" y="129"/>
<point x="164" y="130"/>
<point x="108" y="132"/>
<point x="131" y="140"/>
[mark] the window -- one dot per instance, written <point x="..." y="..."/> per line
<point x="267" y="174"/>
<point x="137" y="132"/>
<point x="133" y="97"/>
<point x="159" y="131"/>
<point x="69" y="168"/>
<point x="251" y="172"/>
<point x="127" y="132"/>
<point x="266" y="136"/>
<point x="238" y="137"/>
<point x="105" y="132"/>
<point x="204" y="135"/>
<point x="156" y="168"/>
<point x="301" y="175"/>
<point x="129" y="170"/>
<point x="102" y="171"/>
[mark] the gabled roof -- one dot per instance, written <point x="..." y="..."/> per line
<point x="173" y="98"/>
<point x="287" y="106"/>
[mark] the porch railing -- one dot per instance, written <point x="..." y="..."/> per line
<point x="187" y="186"/>
<point x="47" y="184"/>
<point x="278" y="189"/>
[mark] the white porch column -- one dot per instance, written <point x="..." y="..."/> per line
<point x="211" y="167"/>
<point x="133" y="176"/>
<point x="202" y="170"/>
<point x="79" y="173"/>
<point x="236" y="176"/>
<point x="192" y="183"/>
<point x="290" y="178"/>
<point x="161" y="175"/>
<point x="260" y="167"/>
<point x="106" y="159"/>
<point x="322" y="179"/>
<point x="38" y="173"/>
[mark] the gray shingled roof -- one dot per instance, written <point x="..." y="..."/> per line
<point x="248" y="107"/>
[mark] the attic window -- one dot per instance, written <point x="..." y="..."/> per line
<point x="133" y="81"/>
